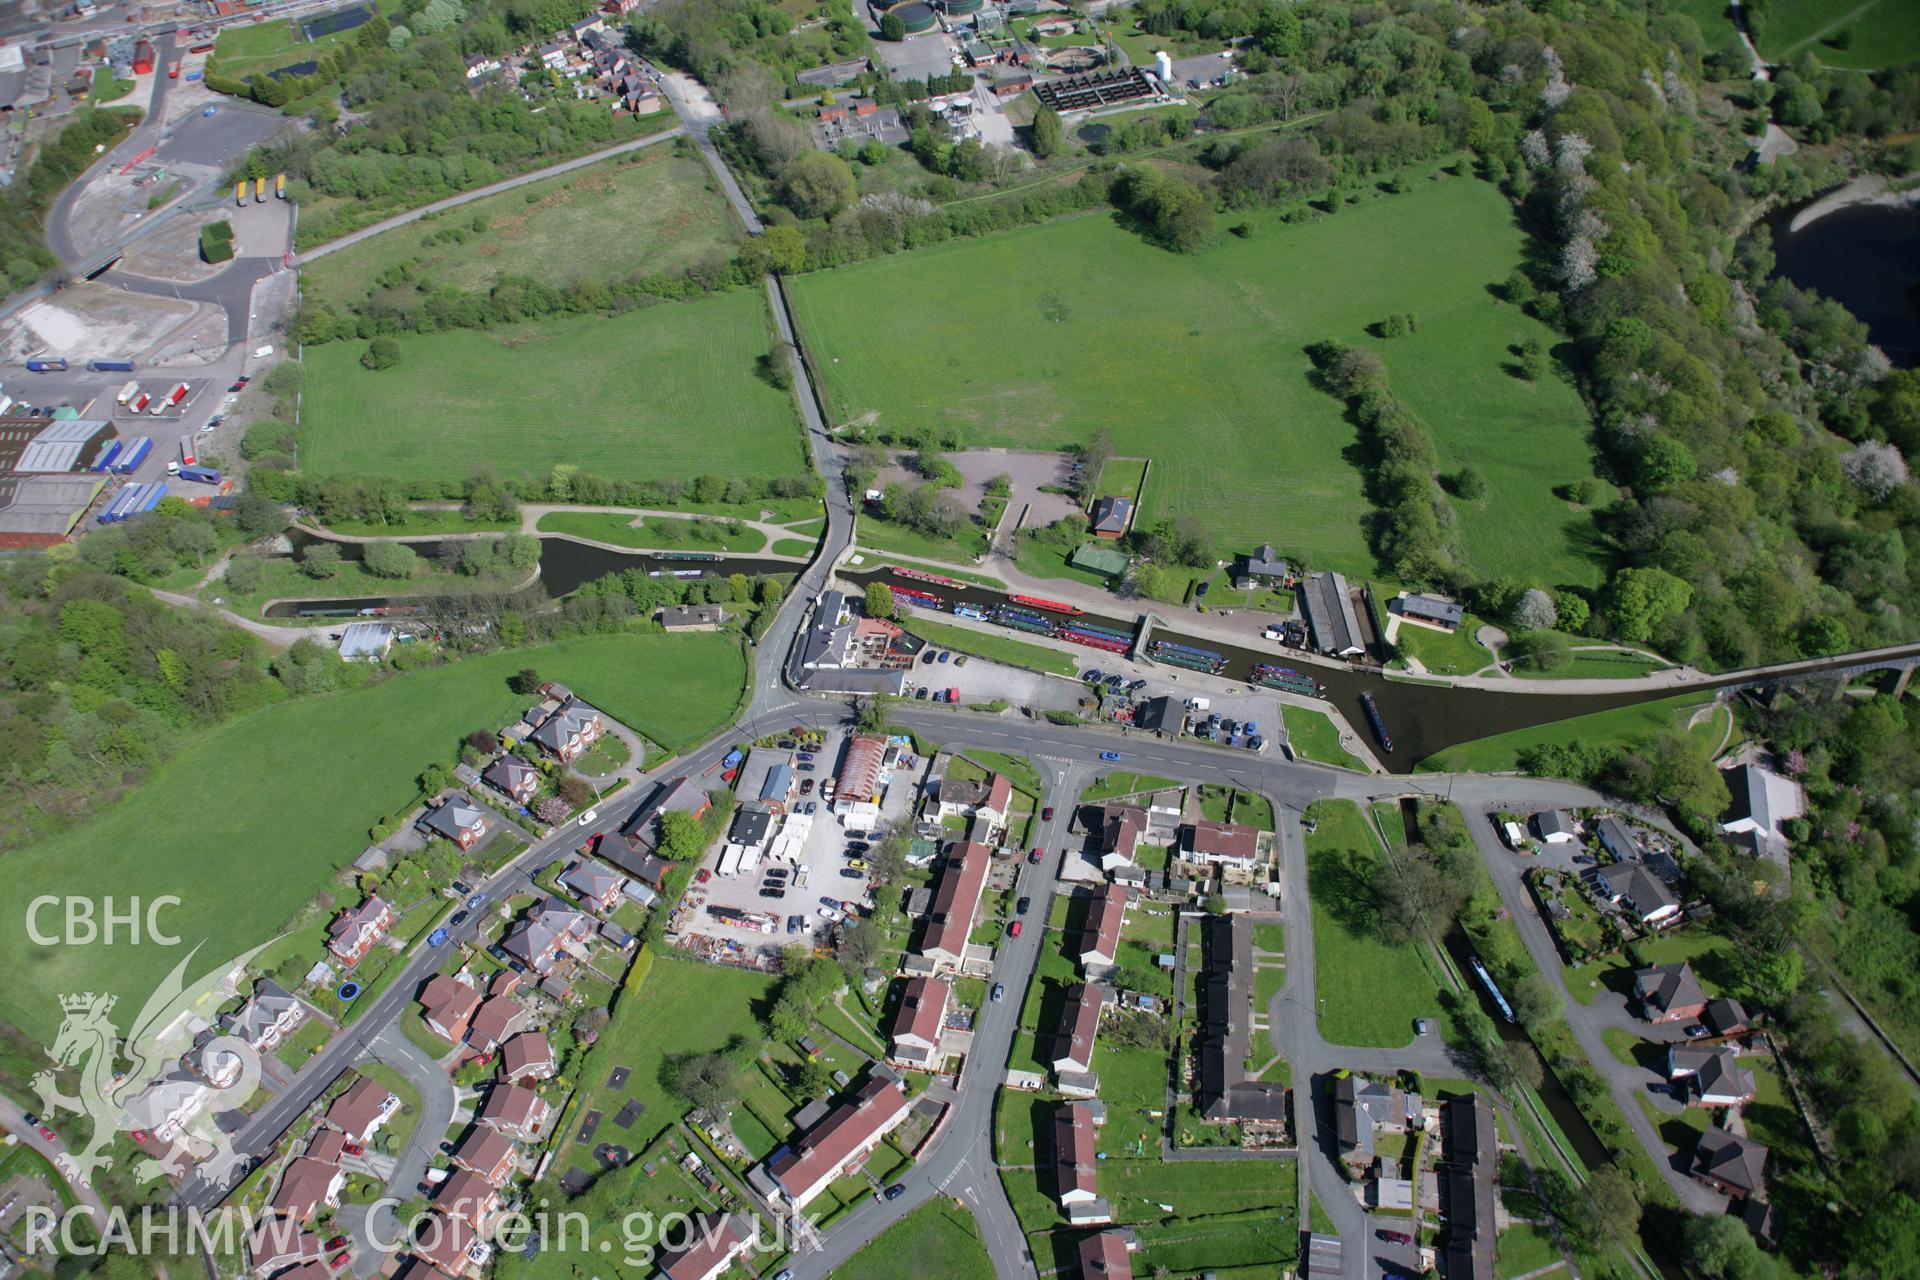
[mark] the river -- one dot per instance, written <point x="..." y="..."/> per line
<point x="1867" y="258"/>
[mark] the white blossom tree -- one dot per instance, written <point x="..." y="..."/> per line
<point x="1536" y="611"/>
<point x="1876" y="467"/>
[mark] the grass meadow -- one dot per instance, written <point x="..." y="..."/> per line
<point x="254" y="817"/>
<point x="1037" y="337"/>
<point x="668" y="390"/>
<point x="1369" y="993"/>
<point x="937" y="1241"/>
<point x="256" y="48"/>
<point x="646" y="211"/>
<point x="1499" y="753"/>
<point x="1880" y="33"/>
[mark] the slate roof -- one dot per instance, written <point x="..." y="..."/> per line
<point x="1669" y="986"/>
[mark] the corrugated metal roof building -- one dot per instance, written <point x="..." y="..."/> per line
<point x="62" y="446"/>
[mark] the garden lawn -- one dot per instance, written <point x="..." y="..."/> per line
<point x="1500" y="753"/>
<point x="665" y="391"/>
<point x="987" y="644"/>
<point x="1599" y="664"/>
<point x="255" y="817"/>
<point x="1312" y="736"/>
<point x="1369" y="993"/>
<point x="645" y="211"/>
<point x="937" y="1241"/>
<point x="666" y="533"/>
<point x="1126" y="784"/>
<point x="793" y="547"/>
<point x="1454" y="653"/>
<point x="1057" y="343"/>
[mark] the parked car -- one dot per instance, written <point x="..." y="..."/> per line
<point x="857" y="864"/>
<point x="705" y="874"/>
<point x="919" y="695"/>
<point x="1046" y="814"/>
<point x="459" y="918"/>
<point x="340" y="1262"/>
<point x="776" y="873"/>
<point x="1033" y="855"/>
<point x="1394" y="1237"/>
<point x="590" y="817"/>
<point x="772" y="893"/>
<point x="438" y="938"/>
<point x="1091" y="677"/>
<point x="1697" y="1030"/>
<point x="806" y="786"/>
<point x="946" y="656"/>
<point x="48" y="1134"/>
<point x="462" y="888"/>
<point x="30" y="1118"/>
<point x="1013" y="930"/>
<point x="960" y="660"/>
<point x="1020" y="907"/>
<point x="1421" y="1026"/>
<point x="895" y="1191"/>
<point x="338" y="1242"/>
<point x="352" y="1149"/>
<point x="848" y="873"/>
<point x="998" y="993"/>
<point x="928" y="658"/>
<point x="856" y="847"/>
<point x="806" y="768"/>
<point x="793" y="924"/>
<point x="476" y="901"/>
<point x="1141" y="683"/>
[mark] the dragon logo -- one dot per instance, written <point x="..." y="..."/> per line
<point x="173" y="1088"/>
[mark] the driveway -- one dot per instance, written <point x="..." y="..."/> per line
<point x="410" y="1163"/>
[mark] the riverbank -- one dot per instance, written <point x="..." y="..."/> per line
<point x="1868" y="188"/>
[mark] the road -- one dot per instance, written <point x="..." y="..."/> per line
<point x="480" y="193"/>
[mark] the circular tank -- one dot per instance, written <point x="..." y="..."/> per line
<point x="918" y="16"/>
<point x="956" y="8"/>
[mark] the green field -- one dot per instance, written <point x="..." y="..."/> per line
<point x="647" y="211"/>
<point x="1051" y="339"/>
<point x="666" y="391"/>
<point x="937" y="1241"/>
<point x="1312" y="736"/>
<point x="224" y="826"/>
<point x="682" y="1007"/>
<point x="655" y="532"/>
<point x="1369" y="993"/>
<point x="1880" y="33"/>
<point x="106" y="88"/>
<point x="1498" y="754"/>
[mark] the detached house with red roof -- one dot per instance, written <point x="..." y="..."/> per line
<point x="362" y="1109"/>
<point x="526" y="1056"/>
<point x="354" y="931"/>
<point x="305" y="1186"/>
<point x="497" y="1020"/>
<point x="448" y="1005"/>
<point x="516" y="1111"/>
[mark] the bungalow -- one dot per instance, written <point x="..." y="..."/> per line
<point x="805" y="1166"/>
<point x="1639" y="891"/>
<point x="1222" y="844"/>
<point x="1728" y="1163"/>
<point x="1100" y="941"/>
<point x="513" y="778"/>
<point x="689" y="617"/>
<point x="496" y="1021"/>
<point x="448" y="1005"/>
<point x="917" y="1022"/>
<point x="278" y="1243"/>
<point x="1433" y="611"/>
<point x="1076" y="1183"/>
<point x="955" y="900"/>
<point x="457" y="819"/>
<point x="1074" y="1041"/>
<point x="1331" y="620"/>
<point x="487" y="1152"/>
<point x="1708" y="1077"/>
<point x="362" y="1109"/>
<point x="469" y="1198"/>
<point x="1555" y="826"/>
<point x="355" y="930"/>
<point x="569" y="732"/>
<point x="975" y="798"/>
<point x="1120" y="834"/>
<point x="526" y="1056"/>
<point x="592" y="884"/>
<point x="1111" y="516"/>
<point x="305" y="1186"/>
<point x="546" y="933"/>
<point x="451" y="1247"/>
<point x="1669" y="993"/>
<point x="1761" y="801"/>
<point x="712" y="1243"/>
<point x="516" y="1111"/>
<point x="1107" y="1255"/>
